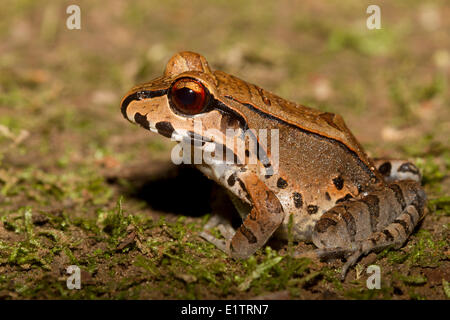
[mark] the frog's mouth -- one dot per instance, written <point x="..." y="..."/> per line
<point x="166" y="129"/>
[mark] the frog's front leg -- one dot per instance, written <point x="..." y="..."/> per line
<point x="264" y="218"/>
<point x="382" y="218"/>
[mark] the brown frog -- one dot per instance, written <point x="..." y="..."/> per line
<point x="313" y="179"/>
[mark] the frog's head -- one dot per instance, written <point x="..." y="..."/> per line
<point x="183" y="103"/>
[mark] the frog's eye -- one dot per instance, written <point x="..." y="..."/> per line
<point x="188" y="96"/>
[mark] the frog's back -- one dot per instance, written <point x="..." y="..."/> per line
<point x="324" y="124"/>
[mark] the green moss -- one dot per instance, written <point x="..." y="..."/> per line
<point x="259" y="269"/>
<point x="415" y="280"/>
<point x="369" y="42"/>
<point x="446" y="288"/>
<point x="369" y="294"/>
<point x="146" y="264"/>
<point x="424" y="251"/>
<point x="440" y="206"/>
<point x="114" y="223"/>
<point x="431" y="171"/>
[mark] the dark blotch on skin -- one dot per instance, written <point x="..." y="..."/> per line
<point x="281" y="183"/>
<point x="338" y="182"/>
<point x="373" y="205"/>
<point x="298" y="200"/>
<point x="408" y="167"/>
<point x="247" y="234"/>
<point x="165" y="129"/>
<point x="403" y="224"/>
<point x="324" y="223"/>
<point x="242" y="185"/>
<point x="142" y="121"/>
<point x="360" y="188"/>
<point x="312" y="209"/>
<point x="350" y="222"/>
<point x="348" y="196"/>
<point x="398" y="195"/>
<point x="388" y="235"/>
<point x="273" y="205"/>
<point x="231" y="180"/>
<point x="385" y="169"/>
<point x="419" y="204"/>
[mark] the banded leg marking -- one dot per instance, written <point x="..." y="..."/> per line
<point x="383" y="218"/>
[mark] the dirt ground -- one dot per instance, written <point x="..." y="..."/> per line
<point x="79" y="185"/>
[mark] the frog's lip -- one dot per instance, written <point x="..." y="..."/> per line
<point x="172" y="134"/>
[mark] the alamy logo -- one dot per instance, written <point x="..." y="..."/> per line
<point x="74" y="280"/>
<point x="374" y="20"/>
<point x="374" y="280"/>
<point x="74" y="20"/>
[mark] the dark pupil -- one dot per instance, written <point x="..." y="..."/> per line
<point x="186" y="96"/>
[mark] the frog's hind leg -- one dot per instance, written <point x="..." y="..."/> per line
<point x="395" y="170"/>
<point x="265" y="216"/>
<point x="385" y="217"/>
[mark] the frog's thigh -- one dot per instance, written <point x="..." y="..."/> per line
<point x="382" y="218"/>
<point x="394" y="170"/>
<point x="265" y="217"/>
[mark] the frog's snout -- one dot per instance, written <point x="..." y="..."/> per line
<point x="126" y="100"/>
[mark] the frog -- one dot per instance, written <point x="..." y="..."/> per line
<point x="313" y="184"/>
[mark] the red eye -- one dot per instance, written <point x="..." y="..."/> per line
<point x="188" y="96"/>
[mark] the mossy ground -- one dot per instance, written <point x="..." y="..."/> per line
<point x="81" y="186"/>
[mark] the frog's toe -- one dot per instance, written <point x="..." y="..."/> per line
<point x="350" y="255"/>
<point x="226" y="230"/>
<point x="351" y="260"/>
<point x="220" y="244"/>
